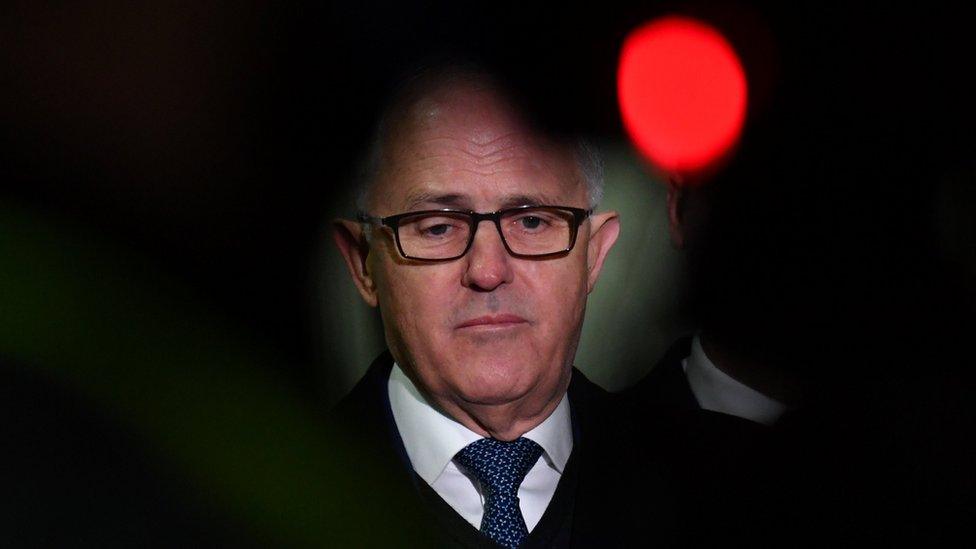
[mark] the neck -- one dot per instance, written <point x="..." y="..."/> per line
<point x="506" y="421"/>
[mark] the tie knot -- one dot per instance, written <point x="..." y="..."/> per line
<point x="500" y="466"/>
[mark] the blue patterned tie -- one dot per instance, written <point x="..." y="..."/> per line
<point x="500" y="467"/>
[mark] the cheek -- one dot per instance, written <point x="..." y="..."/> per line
<point x="558" y="293"/>
<point x="416" y="300"/>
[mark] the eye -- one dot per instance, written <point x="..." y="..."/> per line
<point x="437" y="230"/>
<point x="531" y="222"/>
<point x="439" y="227"/>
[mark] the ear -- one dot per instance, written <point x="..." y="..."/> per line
<point x="606" y="229"/>
<point x="676" y="203"/>
<point x="351" y="241"/>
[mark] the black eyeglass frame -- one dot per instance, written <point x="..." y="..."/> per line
<point x="474" y="220"/>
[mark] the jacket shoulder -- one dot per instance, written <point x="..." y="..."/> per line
<point x="369" y="392"/>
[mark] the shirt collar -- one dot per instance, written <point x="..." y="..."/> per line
<point x="717" y="391"/>
<point x="432" y="438"/>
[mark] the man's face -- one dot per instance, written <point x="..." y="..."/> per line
<point x="488" y="328"/>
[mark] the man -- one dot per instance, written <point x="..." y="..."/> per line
<point x="739" y="362"/>
<point x="479" y="242"/>
<point x="786" y="339"/>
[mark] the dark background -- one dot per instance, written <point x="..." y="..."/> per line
<point x="211" y="140"/>
<point x="212" y="135"/>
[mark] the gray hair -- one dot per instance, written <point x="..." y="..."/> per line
<point x="590" y="163"/>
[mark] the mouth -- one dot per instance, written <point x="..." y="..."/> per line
<point x="493" y="322"/>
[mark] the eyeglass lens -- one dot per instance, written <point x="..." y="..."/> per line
<point x="442" y="235"/>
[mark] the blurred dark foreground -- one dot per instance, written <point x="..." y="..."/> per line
<point x="165" y="175"/>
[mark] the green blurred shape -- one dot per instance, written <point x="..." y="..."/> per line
<point x="105" y="322"/>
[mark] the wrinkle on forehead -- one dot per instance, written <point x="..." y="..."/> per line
<point x="465" y="129"/>
<point x="485" y="153"/>
<point x="485" y="112"/>
<point x="480" y="128"/>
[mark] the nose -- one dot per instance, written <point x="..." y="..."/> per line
<point x="488" y="263"/>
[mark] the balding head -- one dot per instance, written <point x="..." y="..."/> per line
<point x="465" y="96"/>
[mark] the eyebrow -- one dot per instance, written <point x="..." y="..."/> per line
<point x="527" y="200"/>
<point x="452" y="200"/>
<point x="463" y="201"/>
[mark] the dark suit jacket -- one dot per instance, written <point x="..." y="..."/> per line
<point x="610" y="494"/>
<point x="821" y="474"/>
<point x="734" y="480"/>
<point x="666" y="384"/>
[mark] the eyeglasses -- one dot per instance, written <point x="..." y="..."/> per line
<point x="443" y="235"/>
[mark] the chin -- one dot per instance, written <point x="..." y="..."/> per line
<point x="492" y="395"/>
<point x="496" y="383"/>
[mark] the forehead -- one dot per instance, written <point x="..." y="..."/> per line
<point x="466" y="146"/>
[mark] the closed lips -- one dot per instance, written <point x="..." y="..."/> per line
<point x="492" y="320"/>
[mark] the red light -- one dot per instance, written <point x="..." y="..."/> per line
<point x="682" y="93"/>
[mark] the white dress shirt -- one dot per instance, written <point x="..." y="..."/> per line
<point x="432" y="438"/>
<point x="717" y="391"/>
